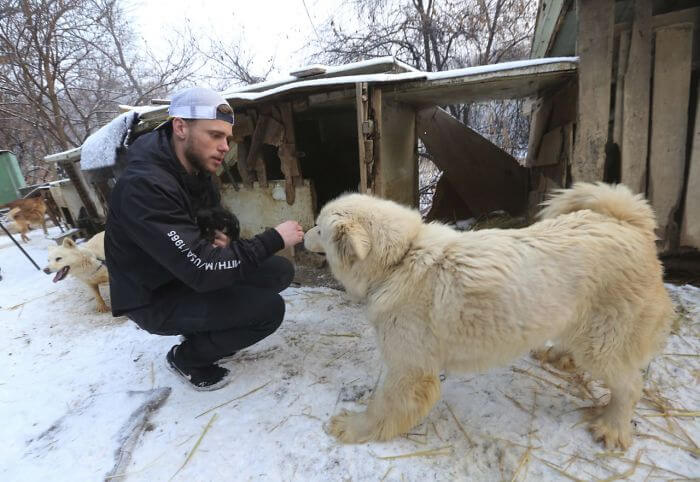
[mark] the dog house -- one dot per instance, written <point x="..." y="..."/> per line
<point x="304" y="139"/>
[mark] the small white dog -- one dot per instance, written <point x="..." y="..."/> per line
<point x="85" y="262"/>
<point x="587" y="276"/>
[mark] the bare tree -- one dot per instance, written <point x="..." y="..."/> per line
<point x="428" y="34"/>
<point x="66" y="65"/>
<point x="231" y="65"/>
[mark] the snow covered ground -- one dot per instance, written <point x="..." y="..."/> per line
<point x="75" y="387"/>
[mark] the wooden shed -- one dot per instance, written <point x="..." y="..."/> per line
<point x="304" y="139"/>
<point x="632" y="114"/>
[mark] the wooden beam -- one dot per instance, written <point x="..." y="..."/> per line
<point x="690" y="230"/>
<point x="254" y="159"/>
<point x="486" y="85"/>
<point x="595" y="39"/>
<point x="288" y="154"/>
<point x="636" y="98"/>
<point x="669" y="128"/>
<point x="549" y="17"/>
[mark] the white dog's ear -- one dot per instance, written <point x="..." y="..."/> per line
<point x="68" y="243"/>
<point x="352" y="240"/>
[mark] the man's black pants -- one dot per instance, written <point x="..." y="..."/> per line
<point x="219" y="323"/>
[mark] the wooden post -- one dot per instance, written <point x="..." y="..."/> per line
<point x="690" y="231"/>
<point x="242" y="165"/>
<point x="595" y="38"/>
<point x="254" y="158"/>
<point x="374" y="165"/>
<point x="287" y="152"/>
<point x="636" y="99"/>
<point x="362" y="112"/>
<point x="669" y="127"/>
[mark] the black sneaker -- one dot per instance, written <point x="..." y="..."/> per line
<point x="228" y="358"/>
<point x="200" y="378"/>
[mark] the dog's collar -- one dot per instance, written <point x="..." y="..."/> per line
<point x="102" y="263"/>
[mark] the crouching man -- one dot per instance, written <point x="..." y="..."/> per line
<point x="163" y="274"/>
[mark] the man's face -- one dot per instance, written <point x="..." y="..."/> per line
<point x="206" y="143"/>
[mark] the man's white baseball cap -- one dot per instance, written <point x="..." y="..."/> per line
<point x="197" y="103"/>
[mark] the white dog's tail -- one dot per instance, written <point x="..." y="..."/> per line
<point x="614" y="200"/>
<point x="13" y="213"/>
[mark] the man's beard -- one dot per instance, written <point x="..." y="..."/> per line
<point x="195" y="160"/>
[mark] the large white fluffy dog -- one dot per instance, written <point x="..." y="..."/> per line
<point x="586" y="276"/>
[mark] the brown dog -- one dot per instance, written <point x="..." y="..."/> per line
<point x="25" y="212"/>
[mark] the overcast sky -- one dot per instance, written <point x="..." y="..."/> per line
<point x="278" y="30"/>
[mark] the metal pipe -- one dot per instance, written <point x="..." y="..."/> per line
<point x="18" y="245"/>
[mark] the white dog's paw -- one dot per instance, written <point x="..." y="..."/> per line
<point x="348" y="427"/>
<point x="614" y="434"/>
<point x="560" y="360"/>
<point x="102" y="308"/>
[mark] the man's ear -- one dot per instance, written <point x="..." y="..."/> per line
<point x="180" y="128"/>
<point x="352" y="240"/>
<point x="68" y="243"/>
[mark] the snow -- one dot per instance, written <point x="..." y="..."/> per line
<point x="73" y="378"/>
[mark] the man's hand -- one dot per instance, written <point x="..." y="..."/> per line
<point x="291" y="233"/>
<point x="221" y="240"/>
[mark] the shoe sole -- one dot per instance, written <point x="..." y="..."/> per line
<point x="183" y="379"/>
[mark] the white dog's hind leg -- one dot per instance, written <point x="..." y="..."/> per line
<point x="557" y="357"/>
<point x="401" y="404"/>
<point x="613" y="426"/>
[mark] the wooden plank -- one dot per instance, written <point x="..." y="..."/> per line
<point x="485" y="177"/>
<point x="687" y="15"/>
<point x="690" y="230"/>
<point x="635" y="101"/>
<point x="541" y="113"/>
<point x="242" y="127"/>
<point x="669" y="128"/>
<point x="623" y="51"/>
<point x="288" y="154"/>
<point x="595" y="39"/>
<point x="551" y="148"/>
<point x="374" y="164"/>
<point x="274" y="133"/>
<point x="242" y="165"/>
<point x="488" y="84"/>
<point x="361" y="108"/>
<point x="549" y="16"/>
<point x="254" y="159"/>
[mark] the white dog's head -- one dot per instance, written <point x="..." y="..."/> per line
<point x="65" y="258"/>
<point x="362" y="237"/>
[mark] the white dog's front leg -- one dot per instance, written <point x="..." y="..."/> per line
<point x="401" y="404"/>
<point x="101" y="305"/>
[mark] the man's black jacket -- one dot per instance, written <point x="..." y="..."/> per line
<point x="152" y="238"/>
